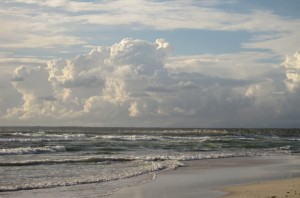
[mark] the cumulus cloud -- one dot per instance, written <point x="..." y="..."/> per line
<point x="36" y="91"/>
<point x="261" y="89"/>
<point x="104" y="77"/>
<point x="138" y="83"/>
<point x="292" y="67"/>
<point x="250" y="65"/>
<point x="53" y="21"/>
<point x="133" y="109"/>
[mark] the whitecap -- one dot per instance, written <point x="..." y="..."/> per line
<point x="32" y="150"/>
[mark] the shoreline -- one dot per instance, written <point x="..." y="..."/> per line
<point x="209" y="178"/>
<point x="215" y="178"/>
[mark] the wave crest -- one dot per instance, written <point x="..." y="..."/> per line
<point x="32" y="150"/>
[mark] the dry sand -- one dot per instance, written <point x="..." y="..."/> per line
<point x="272" y="189"/>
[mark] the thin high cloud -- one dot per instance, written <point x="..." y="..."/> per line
<point x="131" y="82"/>
<point x="55" y="23"/>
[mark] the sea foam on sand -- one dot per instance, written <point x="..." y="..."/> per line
<point x="199" y="178"/>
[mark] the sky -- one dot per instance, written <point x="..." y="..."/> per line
<point x="150" y="63"/>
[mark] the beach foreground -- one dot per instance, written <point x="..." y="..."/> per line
<point x="272" y="189"/>
<point x="200" y="178"/>
<point x="208" y="178"/>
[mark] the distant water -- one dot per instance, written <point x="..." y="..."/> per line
<point x="43" y="157"/>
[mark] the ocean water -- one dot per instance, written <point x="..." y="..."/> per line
<point x="55" y="157"/>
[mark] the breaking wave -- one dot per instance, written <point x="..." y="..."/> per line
<point x="32" y="150"/>
<point x="152" y="138"/>
<point x="47" y="135"/>
<point x="127" y="158"/>
<point x="36" y="158"/>
<point x="146" y="167"/>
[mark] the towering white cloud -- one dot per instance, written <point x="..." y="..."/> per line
<point x="35" y="88"/>
<point x="112" y="77"/>
<point x="292" y="66"/>
<point x="138" y="83"/>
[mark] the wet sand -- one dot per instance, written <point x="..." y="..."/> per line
<point x="200" y="178"/>
<point x="207" y="178"/>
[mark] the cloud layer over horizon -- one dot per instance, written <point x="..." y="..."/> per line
<point x="138" y="83"/>
<point x="159" y="63"/>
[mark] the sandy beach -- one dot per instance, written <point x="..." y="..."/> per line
<point x="208" y="178"/>
<point x="272" y="189"/>
<point x="212" y="178"/>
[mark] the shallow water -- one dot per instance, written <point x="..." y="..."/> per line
<point x="43" y="157"/>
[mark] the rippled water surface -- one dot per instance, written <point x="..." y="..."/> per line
<point x="42" y="157"/>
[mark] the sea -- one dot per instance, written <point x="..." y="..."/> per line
<point x="34" y="158"/>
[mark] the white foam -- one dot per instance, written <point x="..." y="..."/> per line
<point x="109" y="175"/>
<point x="32" y="150"/>
<point x="130" y="137"/>
<point x="21" y="140"/>
<point x="154" y="138"/>
<point x="45" y="135"/>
